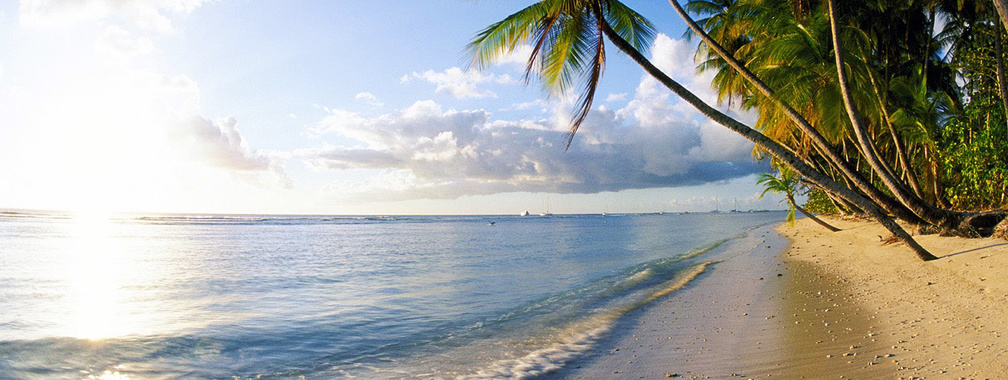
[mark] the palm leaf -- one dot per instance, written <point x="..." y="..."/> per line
<point x="568" y="44"/>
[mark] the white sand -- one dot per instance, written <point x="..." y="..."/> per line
<point x="947" y="318"/>
<point x="845" y="306"/>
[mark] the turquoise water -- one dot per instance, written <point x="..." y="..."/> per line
<point x="331" y="297"/>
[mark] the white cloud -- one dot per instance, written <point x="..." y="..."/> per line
<point x="518" y="58"/>
<point x="145" y="14"/>
<point x="118" y="43"/>
<point x="616" y="97"/>
<point x="673" y="56"/>
<point x="462" y="84"/>
<point x="542" y="105"/>
<point x="369" y="99"/>
<point x="219" y="143"/>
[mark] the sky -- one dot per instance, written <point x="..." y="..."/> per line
<point x="339" y="107"/>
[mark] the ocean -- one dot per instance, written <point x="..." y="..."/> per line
<point x="212" y="296"/>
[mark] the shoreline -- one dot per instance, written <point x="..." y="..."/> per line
<point x="802" y="302"/>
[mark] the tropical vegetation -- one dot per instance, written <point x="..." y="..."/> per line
<point x="788" y="184"/>
<point x="895" y="110"/>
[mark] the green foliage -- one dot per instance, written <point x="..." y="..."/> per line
<point x="974" y="141"/>
<point x="818" y="202"/>
<point x="785" y="182"/>
<point x="975" y="159"/>
<point x="923" y="75"/>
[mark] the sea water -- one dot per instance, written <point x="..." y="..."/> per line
<point x="211" y="296"/>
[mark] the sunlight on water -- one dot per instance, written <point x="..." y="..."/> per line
<point x="95" y="266"/>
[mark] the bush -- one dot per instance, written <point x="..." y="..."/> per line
<point x="819" y="203"/>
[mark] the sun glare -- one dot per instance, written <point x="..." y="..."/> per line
<point x="94" y="269"/>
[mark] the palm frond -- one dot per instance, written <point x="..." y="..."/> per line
<point x="630" y="25"/>
<point x="568" y="44"/>
<point x="501" y="38"/>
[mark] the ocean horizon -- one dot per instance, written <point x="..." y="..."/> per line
<point x="323" y="296"/>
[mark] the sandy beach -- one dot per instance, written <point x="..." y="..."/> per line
<point x="807" y="303"/>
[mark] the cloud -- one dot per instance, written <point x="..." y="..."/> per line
<point x="518" y="57"/>
<point x="146" y="14"/>
<point x="119" y="43"/>
<point x="541" y="105"/>
<point x="220" y="144"/>
<point x="616" y="97"/>
<point x="369" y="99"/>
<point x="461" y="84"/>
<point x="424" y="151"/>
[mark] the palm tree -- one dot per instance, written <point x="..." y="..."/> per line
<point x="920" y="209"/>
<point x="785" y="184"/>
<point x="567" y="39"/>
<point x="936" y="216"/>
<point x="908" y="208"/>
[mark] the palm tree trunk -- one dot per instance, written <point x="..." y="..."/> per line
<point x="933" y="166"/>
<point x="930" y="37"/>
<point x="810" y="216"/>
<point x="901" y="155"/>
<point x="882" y="200"/>
<point x="777" y="150"/>
<point x="1002" y="10"/>
<point x="941" y="218"/>
<point x="889" y="171"/>
<point x="999" y="52"/>
<point x="818" y="140"/>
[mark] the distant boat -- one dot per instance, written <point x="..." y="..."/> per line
<point x="548" y="206"/>
<point x="526" y="213"/>
<point x="603" y="214"/>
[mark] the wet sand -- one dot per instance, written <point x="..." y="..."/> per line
<point x="814" y="304"/>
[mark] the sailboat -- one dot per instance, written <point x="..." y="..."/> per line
<point x="547" y="213"/>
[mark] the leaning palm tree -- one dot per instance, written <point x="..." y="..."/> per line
<point x="568" y="41"/>
<point x="905" y="205"/>
<point x="785" y="184"/>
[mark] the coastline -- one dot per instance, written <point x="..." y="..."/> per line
<point x="844" y="305"/>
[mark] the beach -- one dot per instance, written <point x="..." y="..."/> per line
<point x="807" y="303"/>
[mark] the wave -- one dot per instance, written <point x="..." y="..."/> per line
<point x="580" y="336"/>
<point x="544" y="336"/>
